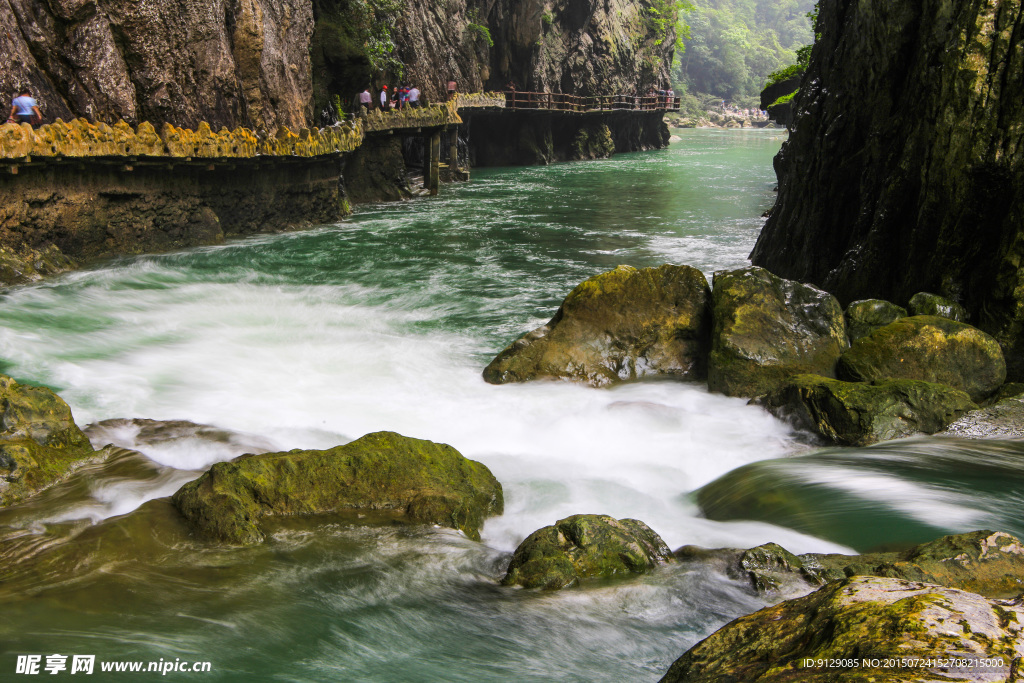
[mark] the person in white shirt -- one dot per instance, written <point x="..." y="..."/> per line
<point x="384" y="99"/>
<point x="414" y="96"/>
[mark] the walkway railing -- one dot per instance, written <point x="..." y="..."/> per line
<point x="515" y="99"/>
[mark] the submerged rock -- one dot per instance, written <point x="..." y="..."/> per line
<point x="769" y="568"/>
<point x="859" y="414"/>
<point x="858" y="619"/>
<point x="928" y="348"/>
<point x="420" y="480"/>
<point x="767" y="329"/>
<point x="39" y="442"/>
<point x="924" y="303"/>
<point x="620" y="325"/>
<point x="585" y="547"/>
<point x="866" y="316"/>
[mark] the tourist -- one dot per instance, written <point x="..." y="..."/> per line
<point x="403" y="97"/>
<point x="451" y="89"/>
<point x="24" y="109"/>
<point x="384" y="98"/>
<point x="414" y="96"/>
<point x="365" y="98"/>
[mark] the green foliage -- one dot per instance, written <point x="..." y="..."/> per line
<point x="784" y="74"/>
<point x="785" y="99"/>
<point x="735" y="45"/>
<point x="665" y="20"/>
<point x="481" y="31"/>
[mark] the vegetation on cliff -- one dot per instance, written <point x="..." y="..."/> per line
<point x="734" y="46"/>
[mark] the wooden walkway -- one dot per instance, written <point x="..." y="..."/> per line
<point x="515" y="100"/>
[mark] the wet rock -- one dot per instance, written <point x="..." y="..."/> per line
<point x="621" y="325"/>
<point x="924" y="303"/>
<point x="866" y="316"/>
<point x="417" y="480"/>
<point x="39" y="442"/>
<point x="859" y="414"/>
<point x="585" y="547"/>
<point x="857" y="619"/>
<point x="931" y="349"/>
<point x="984" y="562"/>
<point x="769" y="568"/>
<point x="767" y="329"/>
<point x="1004" y="420"/>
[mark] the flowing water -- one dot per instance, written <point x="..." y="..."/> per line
<point x="384" y="322"/>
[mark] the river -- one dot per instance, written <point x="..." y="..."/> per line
<point x="384" y="322"/>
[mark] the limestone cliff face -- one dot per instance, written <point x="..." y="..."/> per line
<point x="229" y="62"/>
<point x="905" y="167"/>
<point x="584" y="47"/>
<point x="256" y="62"/>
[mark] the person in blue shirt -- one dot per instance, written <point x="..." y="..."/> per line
<point x="24" y="109"/>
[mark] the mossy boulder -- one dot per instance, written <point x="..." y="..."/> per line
<point x="585" y="547"/>
<point x="418" y="480"/>
<point x="858" y="619"/>
<point x="39" y="442"/>
<point x="767" y="329"/>
<point x="859" y="414"/>
<point x="924" y="303"/>
<point x="931" y="349"/>
<point x="865" y="316"/>
<point x="621" y="325"/>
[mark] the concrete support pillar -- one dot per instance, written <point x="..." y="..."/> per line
<point x="453" y="151"/>
<point x="432" y="163"/>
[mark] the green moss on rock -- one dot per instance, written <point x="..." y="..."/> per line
<point x="621" y="325"/>
<point x="39" y="442"/>
<point x="928" y="348"/>
<point x="423" y="481"/>
<point x="585" y="547"/>
<point x="767" y="329"/>
<point x="859" y="414"/>
<point x="924" y="303"/>
<point x="857" y="619"/>
<point x="865" y="316"/>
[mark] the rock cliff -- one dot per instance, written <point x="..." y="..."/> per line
<point x="905" y="164"/>
<point x="258" y="63"/>
<point x="228" y="62"/>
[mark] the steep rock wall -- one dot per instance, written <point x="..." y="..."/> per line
<point x="257" y="63"/>
<point x="904" y="170"/>
<point x="228" y="62"/>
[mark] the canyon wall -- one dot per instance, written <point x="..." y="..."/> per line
<point x="258" y="63"/>
<point x="904" y="170"/>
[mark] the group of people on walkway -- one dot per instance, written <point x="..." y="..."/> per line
<point x="401" y="97"/>
<point x="24" y="109"/>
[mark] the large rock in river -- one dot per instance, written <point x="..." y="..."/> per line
<point x="420" y="480"/>
<point x="39" y="442"/>
<point x="767" y="329"/>
<point x="859" y="414"/>
<point x="585" y="547"/>
<point x="928" y="348"/>
<point x="620" y="325"/>
<point x="850" y="623"/>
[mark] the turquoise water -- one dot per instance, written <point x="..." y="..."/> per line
<point x="385" y="321"/>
